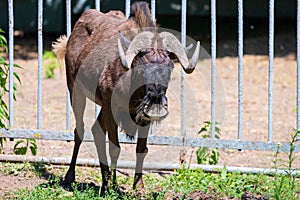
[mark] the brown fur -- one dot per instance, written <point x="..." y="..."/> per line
<point x="91" y="53"/>
<point x="131" y="91"/>
<point x="142" y="15"/>
<point x="60" y="47"/>
<point x="88" y="34"/>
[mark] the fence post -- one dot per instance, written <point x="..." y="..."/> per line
<point x="213" y="67"/>
<point x="97" y="5"/>
<point x="40" y="63"/>
<point x="153" y="11"/>
<point x="182" y="85"/>
<point x="97" y="107"/>
<point x="271" y="58"/>
<point x="68" y="16"/>
<point x="298" y="71"/>
<point x="240" y="69"/>
<point x="127" y="8"/>
<point x="11" y="61"/>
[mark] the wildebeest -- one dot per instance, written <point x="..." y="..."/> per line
<point x="130" y="87"/>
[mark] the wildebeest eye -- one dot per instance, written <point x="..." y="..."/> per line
<point x="142" y="53"/>
<point x="173" y="56"/>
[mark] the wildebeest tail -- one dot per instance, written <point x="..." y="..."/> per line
<point x="59" y="48"/>
<point x="141" y="13"/>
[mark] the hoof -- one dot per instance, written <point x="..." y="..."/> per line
<point x="112" y="188"/>
<point x="103" y="191"/>
<point x="139" y="185"/>
<point x="117" y="190"/>
<point x="68" y="180"/>
<point x="67" y="185"/>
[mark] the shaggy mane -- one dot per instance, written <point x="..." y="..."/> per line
<point x="142" y="15"/>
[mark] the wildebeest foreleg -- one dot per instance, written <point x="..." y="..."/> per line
<point x="141" y="152"/>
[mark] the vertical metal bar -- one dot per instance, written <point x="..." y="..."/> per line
<point x="97" y="5"/>
<point x="271" y="57"/>
<point x="40" y="62"/>
<point x="127" y="8"/>
<point x="240" y="68"/>
<point x="298" y="70"/>
<point x="11" y="61"/>
<point x="152" y="126"/>
<point x="213" y="67"/>
<point x="97" y="107"/>
<point x="182" y="86"/>
<point x="68" y="10"/>
<point x="97" y="110"/>
<point x="153" y="11"/>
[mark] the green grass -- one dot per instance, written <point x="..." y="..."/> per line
<point x="181" y="183"/>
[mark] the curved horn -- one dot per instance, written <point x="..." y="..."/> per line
<point x="140" y="43"/>
<point x="172" y="44"/>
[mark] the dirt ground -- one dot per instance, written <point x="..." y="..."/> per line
<point x="255" y="105"/>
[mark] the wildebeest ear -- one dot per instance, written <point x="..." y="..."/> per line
<point x="126" y="42"/>
<point x="186" y="49"/>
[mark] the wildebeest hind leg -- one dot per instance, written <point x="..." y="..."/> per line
<point x="78" y="105"/>
<point x="99" y="133"/>
<point x="114" y="148"/>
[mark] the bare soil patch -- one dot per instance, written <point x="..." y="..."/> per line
<point x="12" y="183"/>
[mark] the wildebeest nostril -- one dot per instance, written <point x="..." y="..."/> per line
<point x="157" y="99"/>
<point x="164" y="101"/>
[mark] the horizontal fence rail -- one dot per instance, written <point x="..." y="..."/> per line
<point x="182" y="140"/>
<point x="156" y="140"/>
<point x="147" y="165"/>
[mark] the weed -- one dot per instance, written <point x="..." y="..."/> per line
<point x="285" y="186"/>
<point x="50" y="64"/>
<point x="4" y="74"/>
<point x="21" y="147"/>
<point x="207" y="155"/>
<point x="18" y="169"/>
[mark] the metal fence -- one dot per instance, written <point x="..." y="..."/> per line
<point x="239" y="143"/>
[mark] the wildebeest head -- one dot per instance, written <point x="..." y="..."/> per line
<point x="150" y="56"/>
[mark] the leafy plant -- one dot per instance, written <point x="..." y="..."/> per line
<point x="3" y="41"/>
<point x="21" y="147"/>
<point x="207" y="155"/>
<point x="4" y="74"/>
<point x="285" y="186"/>
<point x="50" y="64"/>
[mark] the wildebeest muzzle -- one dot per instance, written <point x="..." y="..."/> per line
<point x="154" y="80"/>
